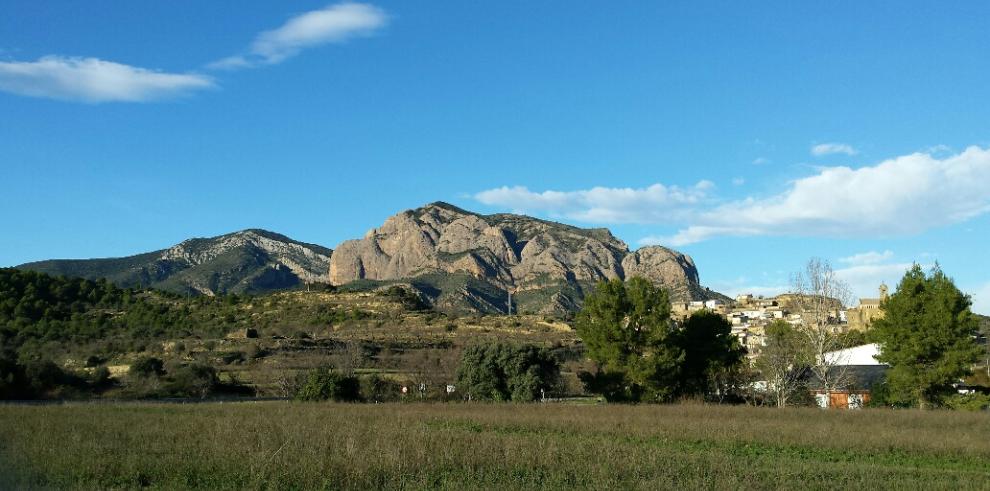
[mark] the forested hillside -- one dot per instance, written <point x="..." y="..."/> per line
<point x="92" y="337"/>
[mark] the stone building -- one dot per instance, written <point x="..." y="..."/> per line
<point x="860" y="317"/>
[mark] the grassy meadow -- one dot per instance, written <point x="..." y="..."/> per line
<point x="280" y="445"/>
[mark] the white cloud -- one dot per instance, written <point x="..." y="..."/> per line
<point x="866" y="258"/>
<point x="332" y="24"/>
<point x="699" y="233"/>
<point x="743" y="286"/>
<point x="901" y="196"/>
<point x="981" y="300"/>
<point x="654" y="204"/>
<point x="864" y="280"/>
<point x="832" y="148"/>
<point x="738" y="181"/>
<point x="761" y="161"/>
<point x="94" y="80"/>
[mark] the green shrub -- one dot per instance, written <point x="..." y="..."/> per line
<point x="100" y="377"/>
<point x="192" y="380"/>
<point x="375" y="388"/>
<point x="94" y="361"/>
<point x="232" y="357"/>
<point x="505" y="372"/>
<point x="322" y="384"/>
<point x="147" y="366"/>
<point x="968" y="402"/>
<point x="256" y="351"/>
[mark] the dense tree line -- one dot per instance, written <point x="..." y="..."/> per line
<point x="38" y="310"/>
<point x="44" y="317"/>
<point x="643" y="355"/>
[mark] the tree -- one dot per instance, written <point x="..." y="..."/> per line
<point x="710" y="352"/>
<point x="985" y="335"/>
<point x="926" y="336"/>
<point x="627" y="331"/>
<point x="820" y="296"/>
<point x="505" y="372"/>
<point x="192" y="380"/>
<point x="147" y="366"/>
<point x="782" y="359"/>
<point x="324" y="383"/>
<point x="375" y="388"/>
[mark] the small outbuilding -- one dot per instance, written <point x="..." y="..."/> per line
<point x="861" y="371"/>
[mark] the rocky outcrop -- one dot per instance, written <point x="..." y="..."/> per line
<point x="668" y="268"/>
<point x="508" y="250"/>
<point x="306" y="261"/>
<point x="547" y="265"/>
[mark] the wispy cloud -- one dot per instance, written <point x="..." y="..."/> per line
<point x="761" y="161"/>
<point x="901" y="196"/>
<point x="866" y="258"/>
<point x="864" y="279"/>
<point x="653" y="204"/>
<point x="94" y="80"/>
<point x="831" y="148"/>
<point x="332" y="24"/>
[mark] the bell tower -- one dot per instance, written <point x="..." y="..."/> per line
<point x="883" y="292"/>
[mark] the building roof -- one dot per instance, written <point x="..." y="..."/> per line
<point x="857" y="355"/>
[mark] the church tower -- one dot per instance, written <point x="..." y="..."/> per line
<point x="883" y="292"/>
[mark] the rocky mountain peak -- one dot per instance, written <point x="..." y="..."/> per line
<point x="530" y="257"/>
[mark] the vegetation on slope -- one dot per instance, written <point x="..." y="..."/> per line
<point x="84" y="328"/>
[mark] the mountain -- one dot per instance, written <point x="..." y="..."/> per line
<point x="466" y="261"/>
<point x="457" y="260"/>
<point x="249" y="261"/>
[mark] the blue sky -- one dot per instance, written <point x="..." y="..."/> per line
<point x="750" y="137"/>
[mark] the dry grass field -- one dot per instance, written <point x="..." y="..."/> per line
<point x="279" y="445"/>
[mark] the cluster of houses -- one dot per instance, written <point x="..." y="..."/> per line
<point x="750" y="315"/>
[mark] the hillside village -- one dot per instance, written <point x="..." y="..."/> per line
<point x="750" y="314"/>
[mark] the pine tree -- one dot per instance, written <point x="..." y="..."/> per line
<point x="926" y="336"/>
<point x="710" y="352"/>
<point x="626" y="329"/>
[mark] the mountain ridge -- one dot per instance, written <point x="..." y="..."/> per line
<point x="246" y="261"/>
<point x="456" y="259"/>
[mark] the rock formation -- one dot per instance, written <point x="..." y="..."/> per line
<point x="547" y="266"/>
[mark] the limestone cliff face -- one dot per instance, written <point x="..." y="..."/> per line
<point x="671" y="269"/>
<point x="547" y="265"/>
<point x="508" y="250"/>
<point x="305" y="261"/>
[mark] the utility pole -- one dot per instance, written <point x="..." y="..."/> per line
<point x="509" y="304"/>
